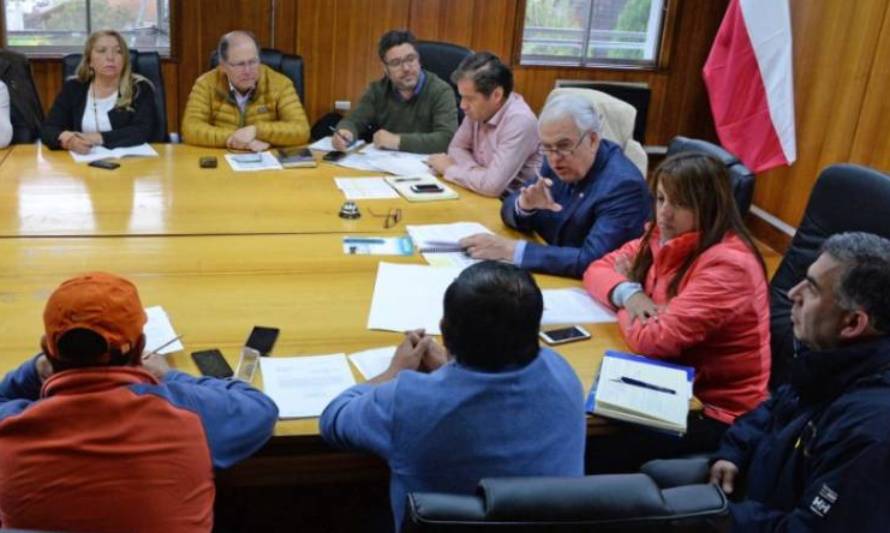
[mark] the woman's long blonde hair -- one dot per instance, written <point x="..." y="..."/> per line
<point x="127" y="84"/>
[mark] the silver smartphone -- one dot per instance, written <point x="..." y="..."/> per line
<point x="564" y="335"/>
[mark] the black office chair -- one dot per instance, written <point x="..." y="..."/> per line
<point x="741" y="178"/>
<point x="635" y="94"/>
<point x="625" y="502"/>
<point x="290" y="65"/>
<point x="147" y="64"/>
<point x="25" y="111"/>
<point x="845" y="198"/>
<point x="442" y="60"/>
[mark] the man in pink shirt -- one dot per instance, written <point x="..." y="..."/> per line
<point x="496" y="147"/>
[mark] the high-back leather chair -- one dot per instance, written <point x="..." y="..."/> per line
<point x="25" y="111"/>
<point x="636" y="94"/>
<point x="442" y="60"/>
<point x="618" y="118"/>
<point x="845" y="198"/>
<point x="625" y="502"/>
<point x="147" y="64"/>
<point x="290" y="65"/>
<point x="740" y="177"/>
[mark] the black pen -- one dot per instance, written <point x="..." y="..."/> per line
<point x="337" y="133"/>
<point x="643" y="384"/>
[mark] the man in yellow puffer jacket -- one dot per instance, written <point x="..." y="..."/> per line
<point x="243" y="104"/>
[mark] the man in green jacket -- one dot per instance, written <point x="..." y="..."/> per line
<point x="411" y="109"/>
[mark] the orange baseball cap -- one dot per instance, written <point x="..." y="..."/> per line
<point x="103" y="303"/>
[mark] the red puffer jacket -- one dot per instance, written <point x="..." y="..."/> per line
<point x="717" y="323"/>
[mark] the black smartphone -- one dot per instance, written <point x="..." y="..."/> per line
<point x="208" y="161"/>
<point x="334" y="155"/>
<point x="262" y="339"/>
<point x="212" y="363"/>
<point x="564" y="335"/>
<point x="427" y="187"/>
<point x="104" y="163"/>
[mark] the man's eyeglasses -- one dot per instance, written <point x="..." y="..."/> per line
<point x="564" y="149"/>
<point x="390" y="219"/>
<point x="250" y="63"/>
<point x="409" y="60"/>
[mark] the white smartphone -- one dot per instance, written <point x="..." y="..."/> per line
<point x="250" y="359"/>
<point x="564" y="335"/>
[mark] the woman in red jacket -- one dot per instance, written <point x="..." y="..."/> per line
<point x="693" y="291"/>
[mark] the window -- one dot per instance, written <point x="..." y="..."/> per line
<point x="55" y="27"/>
<point x="592" y="32"/>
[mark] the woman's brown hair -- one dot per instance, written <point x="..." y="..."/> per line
<point x="128" y="80"/>
<point x="701" y="183"/>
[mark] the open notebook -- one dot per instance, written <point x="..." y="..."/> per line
<point x="643" y="391"/>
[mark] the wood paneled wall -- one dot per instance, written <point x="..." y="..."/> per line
<point x="842" y="81"/>
<point x="338" y="40"/>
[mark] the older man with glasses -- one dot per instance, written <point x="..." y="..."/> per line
<point x="588" y="200"/>
<point x="243" y="105"/>
<point x="409" y="109"/>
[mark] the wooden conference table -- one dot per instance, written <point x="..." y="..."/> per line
<point x="221" y="252"/>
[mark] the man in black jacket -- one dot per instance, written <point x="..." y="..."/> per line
<point x="816" y="456"/>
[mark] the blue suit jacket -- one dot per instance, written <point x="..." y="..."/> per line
<point x="599" y="213"/>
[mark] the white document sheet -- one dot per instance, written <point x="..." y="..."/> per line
<point x="392" y="161"/>
<point x="303" y="386"/>
<point x="371" y="363"/>
<point x="325" y="144"/>
<point x="573" y="306"/>
<point x="435" y="240"/>
<point x="159" y="330"/>
<point x="371" y="188"/>
<point x="409" y="297"/>
<point x="100" y="152"/>
<point x="252" y="163"/>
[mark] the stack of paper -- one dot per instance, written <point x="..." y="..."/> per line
<point x="372" y="188"/>
<point x="643" y="391"/>
<point x="409" y="297"/>
<point x="100" y="152"/>
<point x="253" y="162"/>
<point x="438" y="243"/>
<point x="326" y="144"/>
<point x="159" y="330"/>
<point x="392" y="161"/>
<point x="303" y="386"/>
<point x="573" y="306"/>
<point x="371" y="363"/>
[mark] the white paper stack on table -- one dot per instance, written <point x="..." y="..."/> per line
<point x="158" y="330"/>
<point x="253" y="162"/>
<point x="373" y="362"/>
<point x="573" y="306"/>
<point x="409" y="297"/>
<point x="303" y="386"/>
<point x="369" y="188"/>
<point x="326" y="144"/>
<point x="100" y="152"/>
<point x="644" y="391"/>
<point x="438" y="243"/>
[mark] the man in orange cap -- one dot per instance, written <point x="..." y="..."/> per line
<point x="93" y="438"/>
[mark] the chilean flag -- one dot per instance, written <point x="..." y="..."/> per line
<point x="750" y="84"/>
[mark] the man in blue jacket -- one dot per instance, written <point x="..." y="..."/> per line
<point x="589" y="199"/>
<point x="495" y="405"/>
<point x="816" y="456"/>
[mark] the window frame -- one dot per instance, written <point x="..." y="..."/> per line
<point x="661" y="62"/>
<point x="59" y="51"/>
